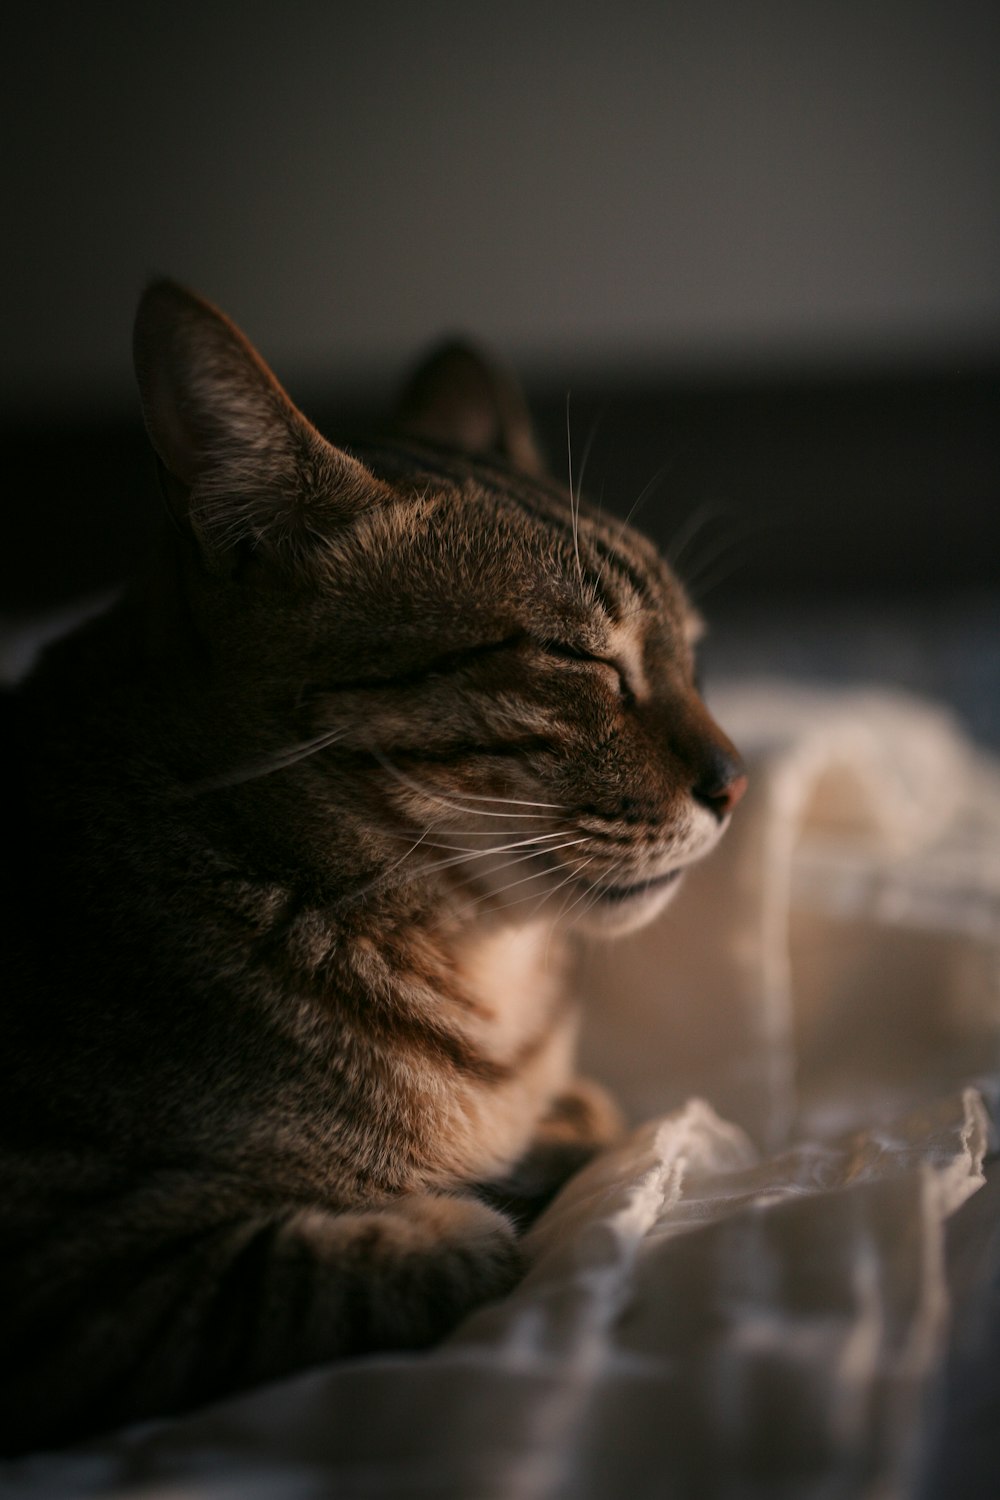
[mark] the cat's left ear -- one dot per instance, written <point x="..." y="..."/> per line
<point x="461" y="399"/>
<point x="247" y="469"/>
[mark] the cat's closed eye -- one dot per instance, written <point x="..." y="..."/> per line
<point x="565" y="651"/>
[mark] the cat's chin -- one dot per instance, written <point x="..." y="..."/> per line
<point x="620" y="909"/>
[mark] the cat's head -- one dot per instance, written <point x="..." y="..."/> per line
<point x="424" y="663"/>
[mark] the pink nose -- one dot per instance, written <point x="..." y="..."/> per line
<point x="731" y="794"/>
<point x="723" y="792"/>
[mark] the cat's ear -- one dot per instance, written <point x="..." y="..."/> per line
<point x="246" y="465"/>
<point x="461" y="399"/>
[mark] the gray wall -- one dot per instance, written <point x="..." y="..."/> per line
<point x="701" y="182"/>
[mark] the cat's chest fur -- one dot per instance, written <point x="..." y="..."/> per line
<point x="514" y="979"/>
<point x="465" y="1042"/>
<point x="520" y="1017"/>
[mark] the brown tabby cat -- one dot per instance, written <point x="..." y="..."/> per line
<point x="303" y="821"/>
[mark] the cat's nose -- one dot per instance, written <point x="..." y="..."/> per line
<point x="721" y="783"/>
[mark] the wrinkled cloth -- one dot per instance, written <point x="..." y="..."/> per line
<point x="749" y="1296"/>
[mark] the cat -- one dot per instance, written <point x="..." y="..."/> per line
<point x="305" y="820"/>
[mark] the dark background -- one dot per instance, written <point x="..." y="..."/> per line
<point x="758" y="247"/>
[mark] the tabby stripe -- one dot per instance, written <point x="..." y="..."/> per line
<point x="448" y="661"/>
<point x="609" y="553"/>
<point x="398" y="1028"/>
<point x="445" y="1046"/>
<point x="538" y="498"/>
<point x="393" y="1024"/>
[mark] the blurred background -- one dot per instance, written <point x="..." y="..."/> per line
<point x="756" y="247"/>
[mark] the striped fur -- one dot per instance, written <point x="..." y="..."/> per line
<point x="308" y="818"/>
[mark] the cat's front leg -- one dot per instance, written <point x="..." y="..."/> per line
<point x="141" y="1321"/>
<point x="581" y="1120"/>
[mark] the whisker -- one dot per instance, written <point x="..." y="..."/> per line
<point x="571" y="876"/>
<point x="380" y="878"/>
<point x="486" y="895"/>
<point x="461" y="858"/>
<point x="490" y="892"/>
<point x="703" y="587"/>
<point x="467" y="856"/>
<point x="591" y="895"/>
<point x="735" y="550"/>
<point x="435" y="796"/>
<point x="574" y="499"/>
<point x="277" y="762"/>
<point x="594" y="429"/>
<point x="593" y="593"/>
<point x="576" y="876"/>
<point x="647" y="489"/>
<point x="513" y="801"/>
<point x="692" y="526"/>
<point x="595" y="426"/>
<point x="536" y="838"/>
<point x="592" y="900"/>
<point x="396" y="863"/>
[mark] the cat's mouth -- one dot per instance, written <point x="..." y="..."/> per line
<point x="617" y="894"/>
<point x="621" y="908"/>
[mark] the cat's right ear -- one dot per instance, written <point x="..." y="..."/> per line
<point x="247" y="468"/>
<point x="464" y="400"/>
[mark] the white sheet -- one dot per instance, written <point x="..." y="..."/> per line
<point x="734" y="1306"/>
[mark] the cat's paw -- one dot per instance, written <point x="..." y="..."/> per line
<point x="478" y="1246"/>
<point x="449" y="1255"/>
<point x="580" y="1122"/>
<point x="584" y="1115"/>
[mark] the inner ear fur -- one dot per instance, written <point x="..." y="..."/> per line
<point x="461" y="399"/>
<point x="247" y="465"/>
